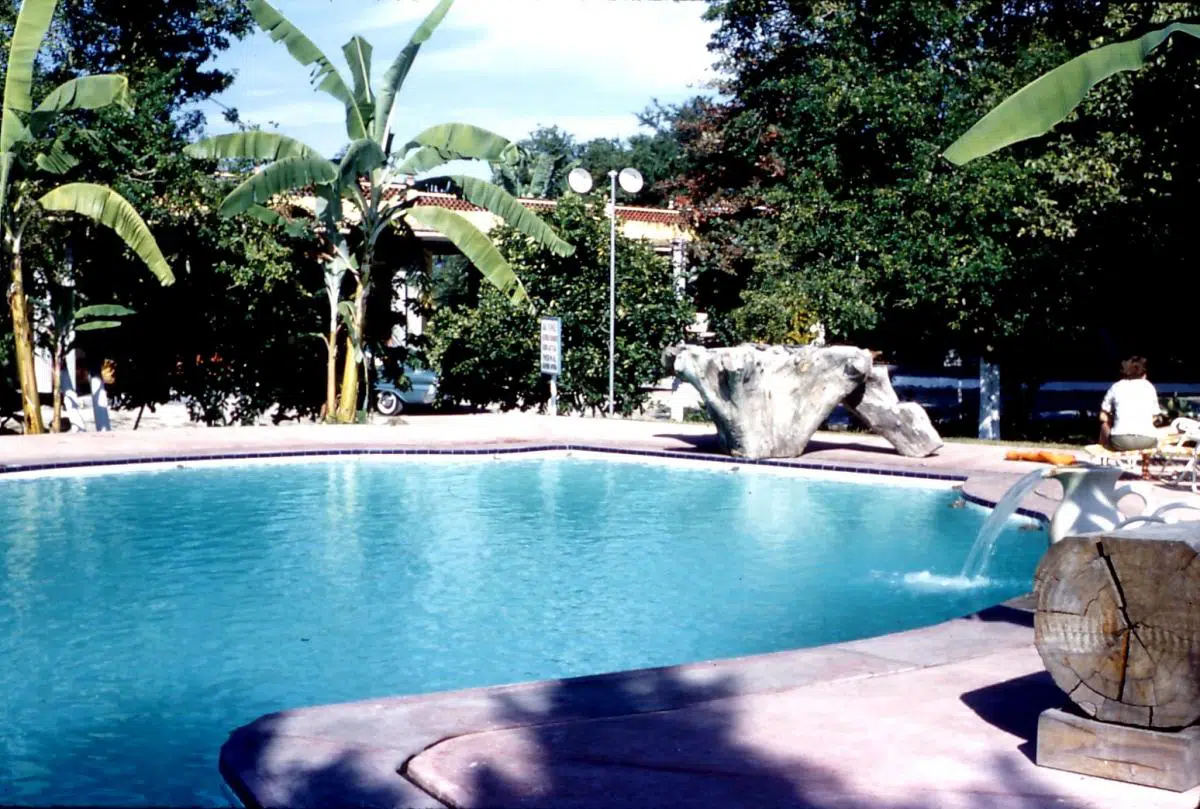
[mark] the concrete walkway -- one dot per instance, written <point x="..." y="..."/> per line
<point x="937" y="718"/>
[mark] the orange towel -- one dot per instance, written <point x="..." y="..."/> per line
<point x="1049" y="456"/>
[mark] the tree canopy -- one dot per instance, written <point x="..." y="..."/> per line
<point x="226" y="336"/>
<point x="818" y="180"/>
<point x="549" y="154"/>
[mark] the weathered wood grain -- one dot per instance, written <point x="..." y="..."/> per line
<point x="1155" y="758"/>
<point x="1118" y="623"/>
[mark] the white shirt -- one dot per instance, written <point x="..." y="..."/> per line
<point x="1133" y="404"/>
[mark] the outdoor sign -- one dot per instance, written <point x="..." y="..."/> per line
<point x="552" y="345"/>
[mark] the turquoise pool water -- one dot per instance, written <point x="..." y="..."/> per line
<point x="144" y="615"/>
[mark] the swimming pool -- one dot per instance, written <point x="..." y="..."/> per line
<point x="144" y="615"/>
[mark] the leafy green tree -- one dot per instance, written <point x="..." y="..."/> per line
<point x="819" y="174"/>
<point x="657" y="154"/>
<point x="228" y="337"/>
<point x="549" y="154"/>
<point x="29" y="153"/>
<point x="488" y="353"/>
<point x="232" y="338"/>
<point x="368" y="168"/>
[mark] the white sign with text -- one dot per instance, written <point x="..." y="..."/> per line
<point x="551" y="346"/>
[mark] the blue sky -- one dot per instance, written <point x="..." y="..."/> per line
<point x="586" y="66"/>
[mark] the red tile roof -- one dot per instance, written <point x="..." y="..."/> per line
<point x="661" y="216"/>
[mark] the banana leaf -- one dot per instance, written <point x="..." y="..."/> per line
<point x="504" y="205"/>
<point x="104" y="310"/>
<point x="56" y="159"/>
<point x="358" y="55"/>
<point x="110" y="209"/>
<point x="466" y="142"/>
<point x="362" y="157"/>
<point x="394" y="78"/>
<point x="475" y="245"/>
<point x="1048" y="100"/>
<point x="84" y="93"/>
<point x="33" y="23"/>
<point x="95" y="325"/>
<point x="6" y="164"/>
<point x="251" y="145"/>
<point x="421" y="160"/>
<point x="288" y="174"/>
<point x="293" y="227"/>
<point x="325" y="77"/>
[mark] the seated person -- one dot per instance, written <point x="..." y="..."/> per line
<point x="1129" y="410"/>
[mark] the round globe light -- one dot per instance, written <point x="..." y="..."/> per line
<point x="580" y="181"/>
<point x="630" y="180"/>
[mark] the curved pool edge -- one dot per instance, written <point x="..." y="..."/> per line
<point x="362" y="753"/>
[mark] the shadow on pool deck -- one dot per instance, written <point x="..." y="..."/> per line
<point x="852" y="726"/>
<point x="1007" y="614"/>
<point x="697" y="757"/>
<point x="1015" y="705"/>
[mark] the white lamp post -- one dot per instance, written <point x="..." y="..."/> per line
<point x="631" y="181"/>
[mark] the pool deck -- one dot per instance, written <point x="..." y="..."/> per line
<point x="942" y="717"/>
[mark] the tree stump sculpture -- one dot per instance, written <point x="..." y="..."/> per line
<point x="1118" y="623"/>
<point x="767" y="401"/>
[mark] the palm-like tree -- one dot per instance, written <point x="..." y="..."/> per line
<point x="352" y="193"/>
<point x="26" y="153"/>
<point x="1049" y="99"/>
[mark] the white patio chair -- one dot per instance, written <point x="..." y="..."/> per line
<point x="1187" y="448"/>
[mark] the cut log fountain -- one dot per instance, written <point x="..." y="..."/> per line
<point x="767" y="401"/>
<point x="1117" y="625"/>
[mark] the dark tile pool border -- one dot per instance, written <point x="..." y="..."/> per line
<point x="858" y="469"/>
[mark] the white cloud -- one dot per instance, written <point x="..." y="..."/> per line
<point x="583" y="127"/>
<point x="506" y="65"/>
<point x="654" y="46"/>
<point x="297" y="115"/>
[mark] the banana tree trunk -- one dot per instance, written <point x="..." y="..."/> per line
<point x="56" y="386"/>
<point x="18" y="304"/>
<point x="348" y="405"/>
<point x="331" y="375"/>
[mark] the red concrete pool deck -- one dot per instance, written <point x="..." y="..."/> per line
<point x="937" y="718"/>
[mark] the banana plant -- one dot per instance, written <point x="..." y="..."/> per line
<point x="27" y="154"/>
<point x="1046" y="101"/>
<point x="357" y="192"/>
<point x="540" y="176"/>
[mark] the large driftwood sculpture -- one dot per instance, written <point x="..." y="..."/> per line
<point x="767" y="401"/>
<point x="1118" y="623"/>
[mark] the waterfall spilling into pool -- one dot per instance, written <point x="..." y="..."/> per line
<point x="985" y="541"/>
